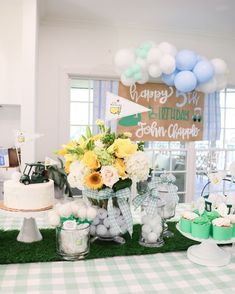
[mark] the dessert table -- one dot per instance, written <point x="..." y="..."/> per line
<point x="158" y="273"/>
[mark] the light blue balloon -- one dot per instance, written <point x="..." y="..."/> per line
<point x="129" y="73"/>
<point x="169" y="79"/>
<point x="185" y="81"/>
<point x="204" y="71"/>
<point x="185" y="60"/>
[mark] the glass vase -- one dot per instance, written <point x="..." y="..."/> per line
<point x="73" y="244"/>
<point x="152" y="226"/>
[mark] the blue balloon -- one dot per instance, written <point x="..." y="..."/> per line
<point x="185" y="81"/>
<point x="185" y="60"/>
<point x="169" y="79"/>
<point x="204" y="71"/>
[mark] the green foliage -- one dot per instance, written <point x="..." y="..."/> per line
<point x="140" y="146"/>
<point x="122" y="184"/>
<point x="108" y="139"/>
<point x="59" y="176"/>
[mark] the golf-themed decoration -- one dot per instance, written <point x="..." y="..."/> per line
<point x="103" y="166"/>
<point x="172" y="116"/>
<point x="184" y="69"/>
<point x="72" y="222"/>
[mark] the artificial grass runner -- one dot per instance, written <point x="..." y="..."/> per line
<point x="12" y="251"/>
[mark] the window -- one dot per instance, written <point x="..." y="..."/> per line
<point x="81" y="107"/>
<point x="217" y="156"/>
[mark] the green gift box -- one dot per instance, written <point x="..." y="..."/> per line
<point x="185" y="225"/>
<point x="222" y="233"/>
<point x="233" y="230"/>
<point x="201" y="231"/>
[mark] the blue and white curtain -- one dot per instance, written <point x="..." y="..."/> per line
<point x="100" y="88"/>
<point x="212" y="118"/>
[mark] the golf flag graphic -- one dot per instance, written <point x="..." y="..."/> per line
<point x="21" y="138"/>
<point x="117" y="107"/>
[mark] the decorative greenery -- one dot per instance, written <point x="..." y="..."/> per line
<point x="59" y="176"/>
<point x="12" y="251"/>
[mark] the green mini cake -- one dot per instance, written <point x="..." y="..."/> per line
<point x="186" y="221"/>
<point x="201" y="227"/>
<point x="232" y="220"/>
<point x="212" y="215"/>
<point x="222" y="229"/>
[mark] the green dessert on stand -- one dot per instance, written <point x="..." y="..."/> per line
<point x="201" y="227"/>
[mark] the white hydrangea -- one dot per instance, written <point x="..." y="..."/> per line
<point x="78" y="172"/>
<point x="137" y="166"/>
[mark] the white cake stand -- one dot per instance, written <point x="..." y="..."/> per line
<point x="207" y="253"/>
<point x="29" y="231"/>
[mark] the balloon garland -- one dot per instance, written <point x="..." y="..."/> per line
<point x="183" y="69"/>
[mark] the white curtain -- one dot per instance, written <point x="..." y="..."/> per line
<point x="99" y="97"/>
<point x="212" y="118"/>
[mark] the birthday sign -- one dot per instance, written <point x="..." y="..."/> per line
<point x="173" y="116"/>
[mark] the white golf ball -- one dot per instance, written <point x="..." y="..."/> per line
<point x="152" y="237"/>
<point x="157" y="229"/>
<point x="124" y="228"/>
<point x="92" y="230"/>
<point x="113" y="231"/>
<point x="146" y="229"/>
<point x="102" y="213"/>
<point x="145" y="219"/>
<point x="96" y="221"/>
<point x="91" y="213"/>
<point x="106" y="222"/>
<point x="101" y="230"/>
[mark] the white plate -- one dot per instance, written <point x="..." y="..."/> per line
<point x="189" y="236"/>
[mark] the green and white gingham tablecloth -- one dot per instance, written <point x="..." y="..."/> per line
<point x="159" y="273"/>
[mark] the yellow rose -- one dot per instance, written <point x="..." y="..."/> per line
<point x="121" y="168"/>
<point x="124" y="147"/>
<point x="67" y="166"/>
<point x="90" y="160"/>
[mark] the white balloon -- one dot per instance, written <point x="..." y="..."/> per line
<point x="142" y="62"/>
<point x="145" y="78"/>
<point x="146" y="229"/>
<point x="167" y="64"/>
<point x="155" y="70"/>
<point x="127" y="81"/>
<point x="124" y="58"/>
<point x="154" y="55"/>
<point x="220" y="66"/>
<point x="168" y="48"/>
<point x="208" y="87"/>
<point x="221" y="82"/>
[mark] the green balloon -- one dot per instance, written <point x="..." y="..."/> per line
<point x="129" y="73"/>
<point x="136" y="68"/>
<point x="147" y="46"/>
<point x="138" y="76"/>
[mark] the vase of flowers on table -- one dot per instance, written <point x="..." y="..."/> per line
<point x="103" y="166"/>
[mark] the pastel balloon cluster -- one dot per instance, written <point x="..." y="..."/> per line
<point x="151" y="228"/>
<point x="102" y="226"/>
<point x="183" y="69"/>
<point x="78" y="208"/>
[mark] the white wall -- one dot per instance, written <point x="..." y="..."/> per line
<point x="86" y="49"/>
<point x="18" y="59"/>
<point x="10" y="51"/>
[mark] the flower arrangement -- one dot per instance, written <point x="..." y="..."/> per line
<point x="104" y="160"/>
<point x="103" y="166"/>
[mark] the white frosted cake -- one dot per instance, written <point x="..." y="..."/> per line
<point x="28" y="197"/>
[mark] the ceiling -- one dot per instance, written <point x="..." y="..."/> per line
<point x="204" y="16"/>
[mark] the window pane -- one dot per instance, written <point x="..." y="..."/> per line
<point x="230" y="99"/>
<point x="79" y="94"/>
<point x="78" y="113"/>
<point x="230" y="159"/>
<point x="230" y="115"/>
<point x="230" y="138"/>
<point x="222" y="118"/>
<point x="222" y="99"/>
<point x="91" y="114"/>
<point x="77" y="131"/>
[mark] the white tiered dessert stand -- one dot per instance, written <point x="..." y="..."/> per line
<point x="29" y="231"/>
<point x="208" y="253"/>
